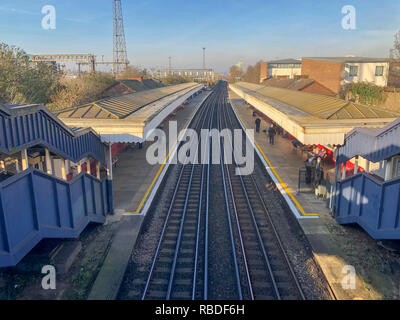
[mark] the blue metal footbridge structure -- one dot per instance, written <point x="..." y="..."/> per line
<point x="35" y="205"/>
<point x="363" y="199"/>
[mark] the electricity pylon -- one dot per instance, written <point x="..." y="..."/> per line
<point x="120" y="60"/>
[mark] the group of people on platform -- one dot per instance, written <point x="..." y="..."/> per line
<point x="272" y="130"/>
<point x="269" y="129"/>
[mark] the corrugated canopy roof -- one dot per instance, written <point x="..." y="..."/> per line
<point x="122" y="106"/>
<point x="320" y="106"/>
<point x="293" y="84"/>
<point x="146" y="84"/>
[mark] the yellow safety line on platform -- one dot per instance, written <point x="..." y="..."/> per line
<point x="276" y="174"/>
<point x="146" y="195"/>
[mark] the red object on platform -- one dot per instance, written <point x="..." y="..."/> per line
<point x="118" y="148"/>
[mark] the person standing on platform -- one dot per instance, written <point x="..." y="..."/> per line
<point x="258" y="124"/>
<point x="271" y="134"/>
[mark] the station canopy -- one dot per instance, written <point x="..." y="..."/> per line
<point x="312" y="118"/>
<point x="129" y="117"/>
<point x="321" y="106"/>
<point x="120" y="107"/>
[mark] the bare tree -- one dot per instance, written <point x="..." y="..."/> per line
<point x="253" y="73"/>
<point x="235" y="74"/>
<point x="133" y="72"/>
<point x="394" y="71"/>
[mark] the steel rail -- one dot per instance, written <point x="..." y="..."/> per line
<point x="258" y="234"/>
<point x="228" y="211"/>
<point x="275" y="233"/>
<point x="179" y="240"/>
<point x="197" y="249"/>
<point x="238" y="227"/>
<point x="200" y="116"/>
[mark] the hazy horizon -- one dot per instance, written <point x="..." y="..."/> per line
<point x="231" y="30"/>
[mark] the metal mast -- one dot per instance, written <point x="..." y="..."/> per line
<point x="120" y="55"/>
<point x="204" y="58"/>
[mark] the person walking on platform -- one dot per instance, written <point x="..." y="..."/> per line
<point x="258" y="124"/>
<point x="271" y="134"/>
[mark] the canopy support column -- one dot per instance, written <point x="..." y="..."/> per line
<point x="109" y="164"/>
<point x="24" y="158"/>
<point x="49" y="167"/>
<point x="63" y="170"/>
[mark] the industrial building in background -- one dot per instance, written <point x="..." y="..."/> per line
<point x="119" y="52"/>
<point x="191" y="74"/>
<point x="335" y="72"/>
<point x="280" y="69"/>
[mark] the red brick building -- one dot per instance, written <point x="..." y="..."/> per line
<point x="334" y="72"/>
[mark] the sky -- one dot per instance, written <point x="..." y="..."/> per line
<point x="231" y="30"/>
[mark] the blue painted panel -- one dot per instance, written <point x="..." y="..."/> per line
<point x="19" y="210"/>
<point x="89" y="195"/>
<point x="355" y="197"/>
<point x="3" y="235"/>
<point x="64" y="205"/>
<point x="21" y="193"/>
<point x="98" y="198"/>
<point x="46" y="200"/>
<point x="78" y="205"/>
<point x="371" y="202"/>
<point x="389" y="210"/>
<point x="380" y="205"/>
<point x="345" y="199"/>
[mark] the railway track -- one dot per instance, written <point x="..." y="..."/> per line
<point x="268" y="273"/>
<point x="218" y="240"/>
<point x="176" y="271"/>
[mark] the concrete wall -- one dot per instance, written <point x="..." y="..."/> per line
<point x="392" y="101"/>
<point x="366" y="73"/>
<point x="284" y="72"/>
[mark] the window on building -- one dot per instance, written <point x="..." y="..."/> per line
<point x="353" y="71"/>
<point x="379" y="71"/>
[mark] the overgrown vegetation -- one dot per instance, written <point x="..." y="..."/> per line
<point x="133" y="72"/>
<point x="365" y="93"/>
<point x="22" y="82"/>
<point x="25" y="82"/>
<point x="174" y="79"/>
<point x="86" y="88"/>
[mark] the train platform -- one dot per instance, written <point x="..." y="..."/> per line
<point x="134" y="178"/>
<point x="333" y="245"/>
<point x="135" y="185"/>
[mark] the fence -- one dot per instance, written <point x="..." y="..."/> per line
<point x="34" y="206"/>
